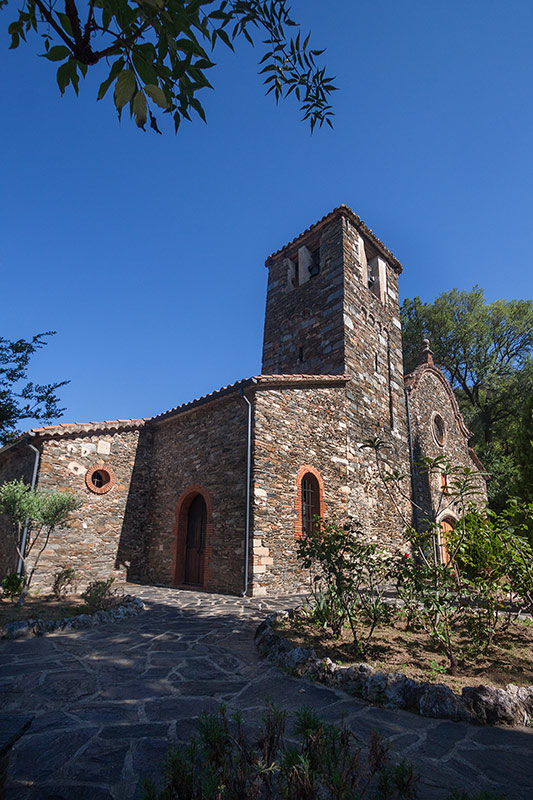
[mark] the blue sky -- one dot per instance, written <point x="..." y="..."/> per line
<point x="146" y="253"/>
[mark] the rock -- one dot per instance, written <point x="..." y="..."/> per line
<point x="523" y="695"/>
<point x="81" y="621"/>
<point x="491" y="705"/>
<point x="437" y="700"/>
<point x="296" y="658"/>
<point x="19" y="629"/>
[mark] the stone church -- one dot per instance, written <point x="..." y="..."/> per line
<point x="214" y="494"/>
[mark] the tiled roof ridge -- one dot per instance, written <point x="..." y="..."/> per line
<point x="111" y="422"/>
<point x="205" y="397"/>
<point x="301" y="376"/>
<point x="342" y="210"/>
<point x="257" y="380"/>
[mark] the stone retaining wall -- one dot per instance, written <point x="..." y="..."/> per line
<point x="478" y="704"/>
<point x="130" y="607"/>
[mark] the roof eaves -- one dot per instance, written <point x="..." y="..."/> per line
<point x="206" y="398"/>
<point x="341" y="211"/>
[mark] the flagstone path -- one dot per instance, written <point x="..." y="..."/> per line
<point x="109" y="700"/>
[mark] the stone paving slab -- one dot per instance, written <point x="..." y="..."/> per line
<point x="108" y="701"/>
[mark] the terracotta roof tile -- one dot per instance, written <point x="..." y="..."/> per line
<point x="258" y="381"/>
<point x="342" y="211"/>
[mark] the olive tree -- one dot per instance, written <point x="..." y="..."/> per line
<point x="34" y="515"/>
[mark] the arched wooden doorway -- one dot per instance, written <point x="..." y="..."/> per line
<point x="193" y="535"/>
<point x="446" y="526"/>
<point x="195" y="542"/>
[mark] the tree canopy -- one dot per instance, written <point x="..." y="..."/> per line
<point x="19" y="398"/>
<point x="486" y="352"/>
<point x="158" y="52"/>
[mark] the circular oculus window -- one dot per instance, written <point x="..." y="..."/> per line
<point x="100" y="479"/>
<point x="439" y="429"/>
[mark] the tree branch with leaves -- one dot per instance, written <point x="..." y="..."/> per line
<point x="21" y="399"/>
<point x="159" y="51"/>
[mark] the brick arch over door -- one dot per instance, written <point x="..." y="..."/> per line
<point x="302" y="472"/>
<point x="180" y="536"/>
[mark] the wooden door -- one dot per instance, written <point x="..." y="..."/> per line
<point x="195" y="544"/>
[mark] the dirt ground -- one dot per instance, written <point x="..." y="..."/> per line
<point x="40" y="607"/>
<point x="396" y="649"/>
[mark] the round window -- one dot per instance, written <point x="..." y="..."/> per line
<point x="439" y="429"/>
<point x="99" y="479"/>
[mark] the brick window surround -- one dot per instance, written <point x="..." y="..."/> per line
<point x="298" y="501"/>
<point x="105" y="470"/>
<point x="180" y="535"/>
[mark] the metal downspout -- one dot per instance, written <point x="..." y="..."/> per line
<point x="27" y="522"/>
<point x="248" y="478"/>
<point x="411" y="457"/>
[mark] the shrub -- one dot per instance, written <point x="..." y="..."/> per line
<point x="12" y="586"/>
<point x="99" y="595"/>
<point x="348" y="580"/>
<point x="65" y="582"/>
<point x="322" y="760"/>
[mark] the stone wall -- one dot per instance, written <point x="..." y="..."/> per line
<point x="293" y="428"/>
<point x="430" y="394"/>
<point x="376" y="401"/>
<point x="202" y="447"/>
<point x="346" y="319"/>
<point x="92" y="542"/>
<point x="303" y="324"/>
<point x="16" y="463"/>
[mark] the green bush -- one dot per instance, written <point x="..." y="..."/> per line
<point x="99" y="595"/>
<point x="321" y="761"/>
<point x="12" y="586"/>
<point x="348" y="580"/>
<point x="65" y="582"/>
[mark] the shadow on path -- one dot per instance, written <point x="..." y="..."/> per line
<point x="108" y="701"/>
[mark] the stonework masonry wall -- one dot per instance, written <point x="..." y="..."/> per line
<point x="16" y="464"/>
<point x="343" y="323"/>
<point x="430" y="396"/>
<point x="303" y="324"/>
<point x="332" y="380"/>
<point x="206" y="447"/>
<point x="96" y="534"/>
<point x="376" y="401"/>
<point x="293" y="428"/>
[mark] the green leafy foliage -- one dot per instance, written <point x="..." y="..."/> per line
<point x="20" y="399"/>
<point x="12" y="586"/>
<point x="99" y="595"/>
<point x="486" y="352"/>
<point x="322" y="760"/>
<point x="160" y="51"/>
<point x="34" y="516"/>
<point x="476" y="578"/>
<point x="65" y="581"/>
<point x="348" y="579"/>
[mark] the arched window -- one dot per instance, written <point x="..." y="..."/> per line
<point x="309" y="500"/>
